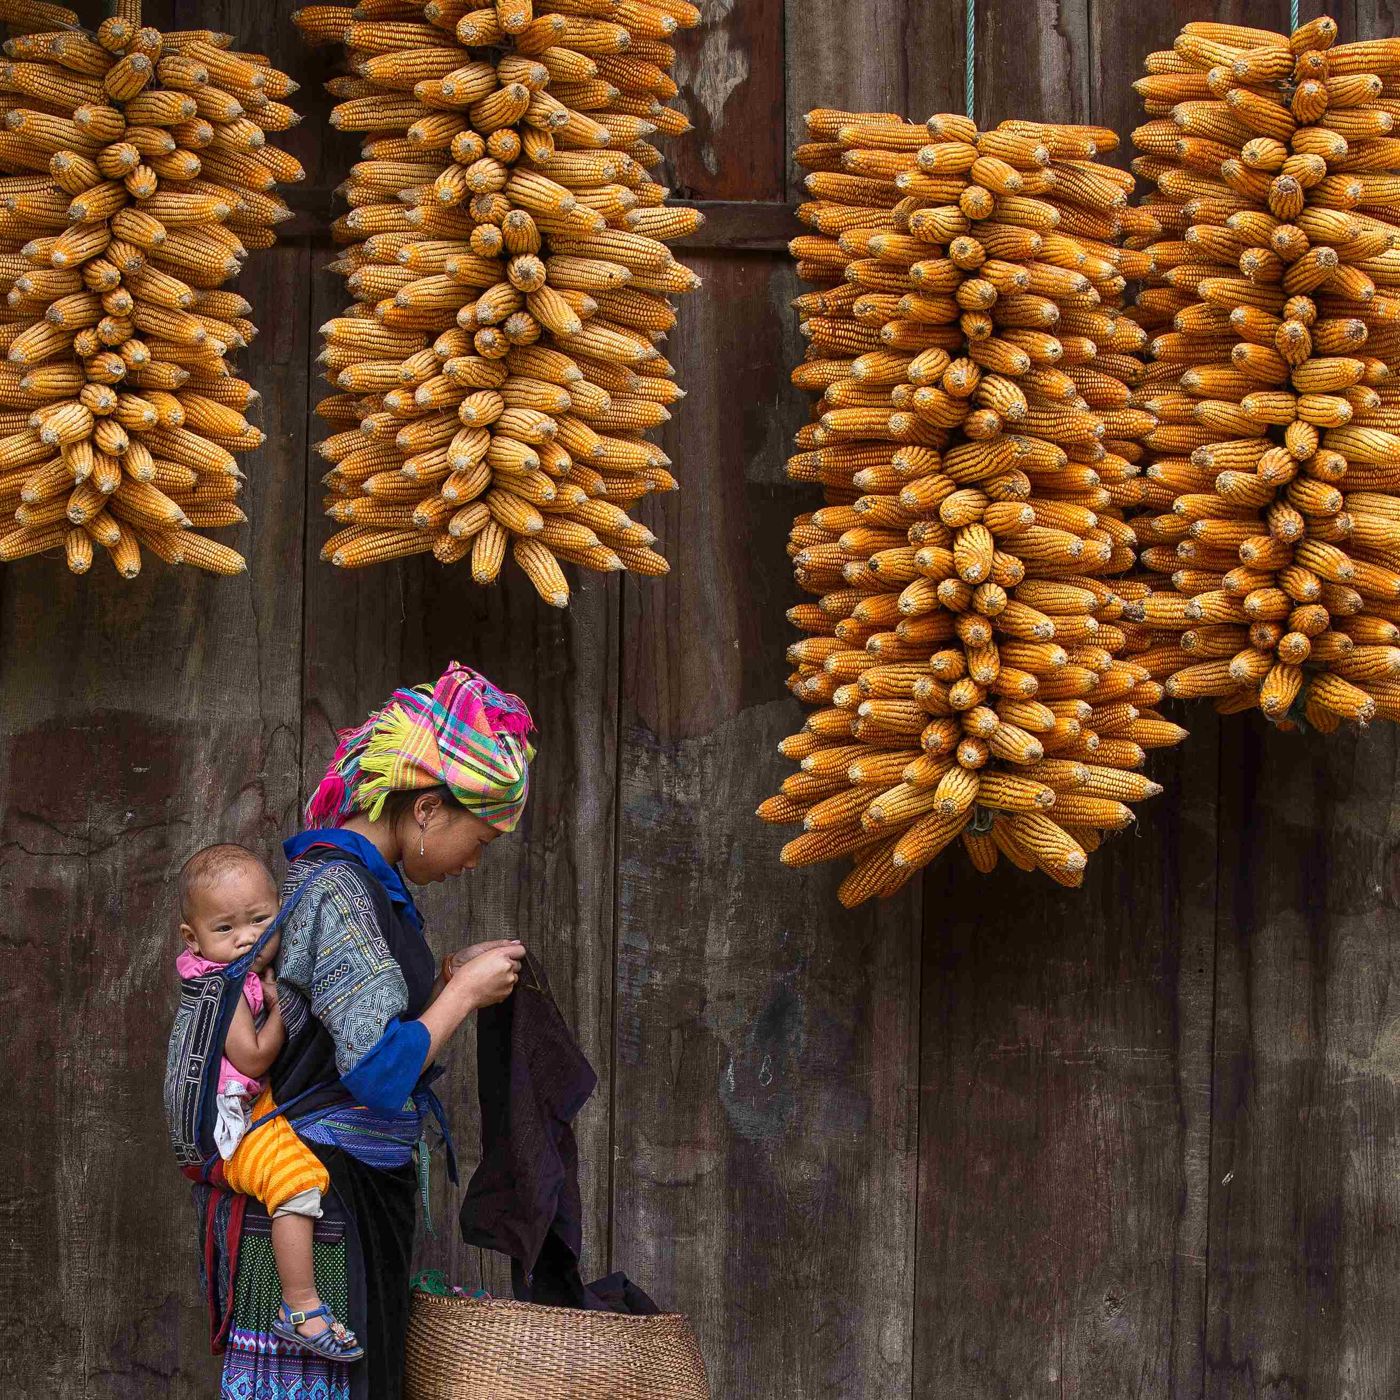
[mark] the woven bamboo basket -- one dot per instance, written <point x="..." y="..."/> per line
<point x="491" y="1349"/>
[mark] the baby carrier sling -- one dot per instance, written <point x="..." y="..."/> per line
<point x="196" y="1050"/>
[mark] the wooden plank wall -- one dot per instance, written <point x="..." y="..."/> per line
<point x="991" y="1139"/>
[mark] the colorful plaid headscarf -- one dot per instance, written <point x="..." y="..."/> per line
<point x="461" y="732"/>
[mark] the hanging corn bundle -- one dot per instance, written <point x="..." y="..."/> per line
<point x="977" y="450"/>
<point x="1274" y="496"/>
<point x="138" y="176"/>
<point x="507" y="251"/>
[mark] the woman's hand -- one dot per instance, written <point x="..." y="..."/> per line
<point x="481" y="975"/>
<point x="458" y="960"/>
<point x="488" y="973"/>
<point x="268" y="978"/>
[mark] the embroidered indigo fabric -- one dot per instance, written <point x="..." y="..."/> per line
<point x="353" y="972"/>
<point x="376" y="1139"/>
<point x="258" y="1364"/>
<point x="523" y="1199"/>
<point x="367" y="853"/>
<point x="385" y="1076"/>
<point x="190" y="964"/>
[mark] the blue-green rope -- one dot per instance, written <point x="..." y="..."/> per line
<point x="1292" y="15"/>
<point x="969" y="87"/>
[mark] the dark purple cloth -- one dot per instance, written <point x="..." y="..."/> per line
<point x="523" y="1199"/>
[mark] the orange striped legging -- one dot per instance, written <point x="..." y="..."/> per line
<point x="273" y="1164"/>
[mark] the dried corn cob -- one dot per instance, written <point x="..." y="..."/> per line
<point x="137" y="176"/>
<point x="1274" y="498"/>
<point x="507" y="252"/>
<point x="977" y="451"/>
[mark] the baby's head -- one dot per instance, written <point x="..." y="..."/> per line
<point x="227" y="898"/>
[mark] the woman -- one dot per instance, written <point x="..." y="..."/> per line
<point x="417" y="791"/>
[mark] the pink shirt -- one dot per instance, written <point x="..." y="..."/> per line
<point x="190" y="964"/>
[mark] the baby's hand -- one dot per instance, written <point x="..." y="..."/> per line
<point x="268" y="978"/>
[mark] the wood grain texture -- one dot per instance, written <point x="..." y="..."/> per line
<point x="1303" y="1254"/>
<point x="1065" y="1087"/>
<point x="730" y="73"/>
<point x="742" y="226"/>
<point x="878" y="56"/>
<point x="1032" y="61"/>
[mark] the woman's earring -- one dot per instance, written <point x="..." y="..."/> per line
<point x="421" y="830"/>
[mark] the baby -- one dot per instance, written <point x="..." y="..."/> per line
<point x="227" y="900"/>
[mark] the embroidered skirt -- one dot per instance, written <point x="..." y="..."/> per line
<point x="363" y="1251"/>
<point x="259" y="1365"/>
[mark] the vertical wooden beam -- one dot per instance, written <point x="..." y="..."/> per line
<point x="1032" y="61"/>
<point x="1307" y="1074"/>
<point x="730" y="73"/>
<point x="765" y="1038"/>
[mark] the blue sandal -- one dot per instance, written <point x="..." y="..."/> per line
<point x="336" y="1343"/>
